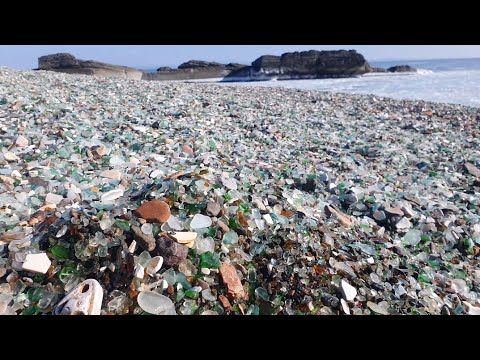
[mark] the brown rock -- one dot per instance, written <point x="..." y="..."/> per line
<point x="472" y="169"/>
<point x="342" y="218"/>
<point x="172" y="252"/>
<point x="154" y="211"/>
<point x="146" y="242"/>
<point x="225" y="303"/>
<point x="394" y="211"/>
<point x="187" y="150"/>
<point x="213" y="208"/>
<point x="232" y="281"/>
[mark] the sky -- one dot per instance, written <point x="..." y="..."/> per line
<point x="154" y="56"/>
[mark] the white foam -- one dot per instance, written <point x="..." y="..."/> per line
<point x="460" y="87"/>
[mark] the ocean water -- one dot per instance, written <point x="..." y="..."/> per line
<point x="454" y="81"/>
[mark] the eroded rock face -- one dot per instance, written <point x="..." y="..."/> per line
<point x="67" y="63"/>
<point x="306" y="65"/>
<point x="402" y="68"/>
<point x="193" y="69"/>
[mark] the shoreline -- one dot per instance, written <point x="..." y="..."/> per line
<point x="323" y="203"/>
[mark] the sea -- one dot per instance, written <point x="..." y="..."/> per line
<point x="455" y="81"/>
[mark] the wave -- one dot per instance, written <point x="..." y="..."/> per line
<point x="424" y="71"/>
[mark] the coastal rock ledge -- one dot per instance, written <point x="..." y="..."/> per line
<point x="304" y="65"/>
<point x="67" y="63"/>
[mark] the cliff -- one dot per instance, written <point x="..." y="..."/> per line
<point x="67" y="63"/>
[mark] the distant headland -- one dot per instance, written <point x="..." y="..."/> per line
<point x="311" y="64"/>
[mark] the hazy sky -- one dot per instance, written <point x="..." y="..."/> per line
<point x="153" y="56"/>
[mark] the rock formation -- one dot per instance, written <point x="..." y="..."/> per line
<point x="193" y="69"/>
<point x="402" y="68"/>
<point x="67" y="63"/>
<point x="304" y="65"/>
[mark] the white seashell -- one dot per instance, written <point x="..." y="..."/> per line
<point x="184" y="237"/>
<point x="85" y="299"/>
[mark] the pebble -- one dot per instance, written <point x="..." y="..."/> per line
<point x="9" y="156"/>
<point x="232" y="281"/>
<point x="155" y="211"/>
<point x="53" y="198"/>
<point x="112" y="195"/>
<point x="37" y="263"/>
<point x="111" y="174"/>
<point x="200" y="221"/>
<point x="155" y="303"/>
<point x="213" y="208"/>
<point x="268" y="187"/>
<point x="348" y="291"/>
<point x="21" y="141"/>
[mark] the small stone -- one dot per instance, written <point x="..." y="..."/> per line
<point x="343" y="219"/>
<point x="379" y="215"/>
<point x="112" y="195"/>
<point x="225" y="303"/>
<point x="6" y="180"/>
<point x="156" y="211"/>
<point x="229" y="183"/>
<point x="348" y="291"/>
<point x="53" y="198"/>
<point x="200" y="221"/>
<point x="377" y="308"/>
<point x="155" y="303"/>
<point x="172" y="252"/>
<point x="259" y="204"/>
<point x="9" y="156"/>
<point x="232" y="281"/>
<point x="371" y="260"/>
<point x="187" y="150"/>
<point x="21" y="141"/>
<point x="403" y="224"/>
<point x="111" y="174"/>
<point x="394" y="211"/>
<point x="205" y="271"/>
<point x="213" y="208"/>
<point x="472" y="169"/>
<point x="99" y="151"/>
<point x="37" y="263"/>
<point x="146" y="242"/>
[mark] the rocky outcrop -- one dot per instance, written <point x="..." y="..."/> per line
<point x="304" y="65"/>
<point x="378" y="70"/>
<point x="193" y="70"/>
<point x="195" y="64"/>
<point x="67" y="63"/>
<point x="402" y="68"/>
